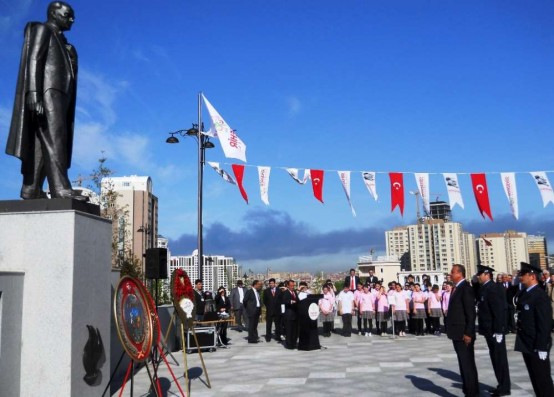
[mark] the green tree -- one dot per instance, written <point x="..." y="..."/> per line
<point x="122" y="256"/>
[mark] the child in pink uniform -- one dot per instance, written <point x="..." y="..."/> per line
<point x="418" y="298"/>
<point x="382" y="312"/>
<point x="365" y="303"/>
<point x="434" y="309"/>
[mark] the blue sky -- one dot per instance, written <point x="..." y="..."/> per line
<point x="407" y="86"/>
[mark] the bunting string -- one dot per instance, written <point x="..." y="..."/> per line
<point x="478" y="182"/>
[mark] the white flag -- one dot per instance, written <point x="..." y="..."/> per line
<point x="369" y="180"/>
<point x="345" y="180"/>
<point x="230" y="142"/>
<point x="453" y="189"/>
<point x="422" y="181"/>
<point x="543" y="184"/>
<point x="509" y="183"/>
<point x="222" y="173"/>
<point x="263" y="177"/>
<point x="293" y="172"/>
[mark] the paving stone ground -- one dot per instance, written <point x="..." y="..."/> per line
<point x="375" y="366"/>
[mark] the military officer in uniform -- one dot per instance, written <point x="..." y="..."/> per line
<point x="533" y="339"/>
<point x="491" y="315"/>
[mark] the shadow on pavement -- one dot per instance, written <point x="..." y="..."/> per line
<point x="428" y="386"/>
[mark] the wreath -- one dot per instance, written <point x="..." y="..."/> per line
<point x="182" y="294"/>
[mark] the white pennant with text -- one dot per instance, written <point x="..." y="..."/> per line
<point x="344" y="177"/>
<point x="263" y="178"/>
<point x="509" y="184"/>
<point x="422" y="181"/>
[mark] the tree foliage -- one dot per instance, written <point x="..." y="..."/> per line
<point x="122" y="255"/>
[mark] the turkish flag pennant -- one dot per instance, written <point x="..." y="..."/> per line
<point x="479" y="182"/>
<point x="317" y="183"/>
<point x="397" y="191"/>
<point x="238" y="170"/>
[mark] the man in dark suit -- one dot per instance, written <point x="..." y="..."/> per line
<point x="460" y="328"/>
<point x="41" y="131"/>
<point x="352" y="280"/>
<point x="199" y="301"/>
<point x="272" y="303"/>
<point x="533" y="339"/>
<point x="237" y="298"/>
<point x="253" y="307"/>
<point x="492" y="325"/>
<point x="290" y="300"/>
<point x="372" y="279"/>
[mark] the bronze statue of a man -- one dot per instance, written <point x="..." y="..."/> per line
<point x="41" y="132"/>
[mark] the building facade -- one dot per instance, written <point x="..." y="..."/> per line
<point x="538" y="252"/>
<point x="138" y="228"/>
<point x="218" y="270"/>
<point x="431" y="245"/>
<point x="503" y="251"/>
<point x="385" y="268"/>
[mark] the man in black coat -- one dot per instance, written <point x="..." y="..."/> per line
<point x="41" y="131"/>
<point x="253" y="307"/>
<point x="352" y="280"/>
<point x="372" y="279"/>
<point x="460" y="328"/>
<point x="492" y="325"/>
<point x="290" y="300"/>
<point x="199" y="301"/>
<point x="272" y="303"/>
<point x="533" y="339"/>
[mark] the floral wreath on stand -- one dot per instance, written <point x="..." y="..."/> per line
<point x="183" y="297"/>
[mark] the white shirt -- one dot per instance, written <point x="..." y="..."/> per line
<point x="347" y="301"/>
<point x="241" y="294"/>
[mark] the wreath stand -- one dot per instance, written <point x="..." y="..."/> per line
<point x="187" y="380"/>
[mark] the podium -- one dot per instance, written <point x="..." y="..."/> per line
<point x="308" y="313"/>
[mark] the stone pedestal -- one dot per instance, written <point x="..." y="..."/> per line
<point x="54" y="281"/>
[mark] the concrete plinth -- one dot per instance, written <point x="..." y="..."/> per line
<point x="55" y="272"/>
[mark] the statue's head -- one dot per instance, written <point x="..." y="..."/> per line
<point x="61" y="14"/>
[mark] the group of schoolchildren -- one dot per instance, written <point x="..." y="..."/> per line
<point x="414" y="308"/>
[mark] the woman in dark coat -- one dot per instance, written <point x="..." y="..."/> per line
<point x="222" y="307"/>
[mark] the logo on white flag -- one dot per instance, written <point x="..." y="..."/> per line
<point x="226" y="177"/>
<point x="231" y="144"/>
<point x="543" y="184"/>
<point x="453" y="189"/>
<point x="293" y="172"/>
<point x="509" y="184"/>
<point x="370" y="183"/>
<point x="263" y="177"/>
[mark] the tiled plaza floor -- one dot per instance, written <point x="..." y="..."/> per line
<point x="368" y="366"/>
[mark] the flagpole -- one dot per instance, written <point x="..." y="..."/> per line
<point x="201" y="161"/>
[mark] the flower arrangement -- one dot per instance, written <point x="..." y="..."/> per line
<point x="181" y="285"/>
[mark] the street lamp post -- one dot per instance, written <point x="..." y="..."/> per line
<point x="203" y="144"/>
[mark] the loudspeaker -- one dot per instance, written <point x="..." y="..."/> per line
<point x="156" y="263"/>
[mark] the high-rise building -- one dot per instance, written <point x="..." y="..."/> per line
<point x="431" y="245"/>
<point x="217" y="271"/>
<point x="398" y="245"/>
<point x="138" y="228"/>
<point x="538" y="252"/>
<point x="503" y="251"/>
<point x="440" y="210"/>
